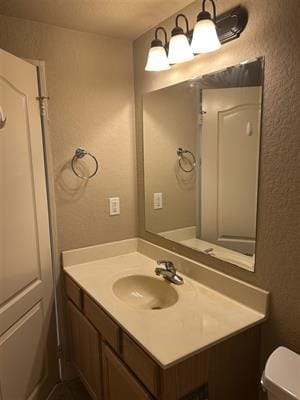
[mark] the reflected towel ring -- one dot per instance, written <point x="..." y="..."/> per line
<point x="2" y="119"/>
<point x="180" y="153"/>
<point x="80" y="153"/>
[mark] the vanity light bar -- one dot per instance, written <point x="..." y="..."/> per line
<point x="209" y="33"/>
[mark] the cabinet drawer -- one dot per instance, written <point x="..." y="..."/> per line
<point x="119" y="382"/>
<point x="74" y="292"/>
<point x="108" y="329"/>
<point x="141" y="364"/>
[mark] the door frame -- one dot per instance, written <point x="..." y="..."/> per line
<point x="66" y="371"/>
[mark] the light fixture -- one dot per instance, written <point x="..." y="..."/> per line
<point x="157" y="56"/>
<point x="179" y="47"/>
<point x="205" y="38"/>
<point x="229" y="26"/>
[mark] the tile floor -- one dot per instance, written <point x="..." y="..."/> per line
<point x="73" y="390"/>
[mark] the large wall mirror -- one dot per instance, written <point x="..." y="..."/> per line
<point x="201" y="159"/>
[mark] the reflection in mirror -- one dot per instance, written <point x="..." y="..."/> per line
<point x="201" y="155"/>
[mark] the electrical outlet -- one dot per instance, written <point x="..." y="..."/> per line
<point x="157" y="201"/>
<point x="114" y="205"/>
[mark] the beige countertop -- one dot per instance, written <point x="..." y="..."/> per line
<point x="199" y="319"/>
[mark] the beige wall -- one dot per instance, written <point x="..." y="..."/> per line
<point x="90" y="84"/>
<point x="273" y="32"/>
<point x="170" y="121"/>
<point x="89" y="79"/>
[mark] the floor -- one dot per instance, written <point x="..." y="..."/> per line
<point x="73" y="390"/>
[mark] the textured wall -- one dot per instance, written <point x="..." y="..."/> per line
<point x="106" y="17"/>
<point x="90" y="83"/>
<point x="89" y="79"/>
<point x="170" y="121"/>
<point x="272" y="31"/>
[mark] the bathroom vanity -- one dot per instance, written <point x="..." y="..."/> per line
<point x="136" y="336"/>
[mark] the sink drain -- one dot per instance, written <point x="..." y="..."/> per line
<point x="156" y="308"/>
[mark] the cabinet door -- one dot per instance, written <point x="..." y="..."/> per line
<point x="86" y="351"/>
<point x="119" y="382"/>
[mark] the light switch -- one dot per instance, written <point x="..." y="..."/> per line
<point x="157" y="201"/>
<point x="114" y="205"/>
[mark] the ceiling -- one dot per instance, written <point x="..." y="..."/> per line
<point x="117" y="18"/>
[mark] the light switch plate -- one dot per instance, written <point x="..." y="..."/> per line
<point x="114" y="205"/>
<point x="157" y="201"/>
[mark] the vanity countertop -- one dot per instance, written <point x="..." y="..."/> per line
<point x="201" y="317"/>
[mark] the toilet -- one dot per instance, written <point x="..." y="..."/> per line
<point x="281" y="377"/>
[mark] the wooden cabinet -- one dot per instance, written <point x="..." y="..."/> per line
<point x="85" y="351"/>
<point x="141" y="364"/>
<point x="74" y="292"/>
<point x="234" y="367"/>
<point x="119" y="382"/>
<point x="109" y="330"/>
<point x="113" y="366"/>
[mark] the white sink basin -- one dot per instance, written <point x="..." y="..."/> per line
<point x="145" y="292"/>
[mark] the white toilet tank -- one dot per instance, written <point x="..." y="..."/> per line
<point x="281" y="377"/>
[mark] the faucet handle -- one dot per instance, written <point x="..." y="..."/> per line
<point x="168" y="264"/>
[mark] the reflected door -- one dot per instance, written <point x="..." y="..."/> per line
<point x="26" y="289"/>
<point x="229" y="166"/>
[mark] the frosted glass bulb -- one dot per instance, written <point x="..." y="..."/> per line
<point x="179" y="49"/>
<point x="205" y="38"/>
<point x="157" y="59"/>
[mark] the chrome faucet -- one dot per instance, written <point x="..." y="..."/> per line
<point x="169" y="272"/>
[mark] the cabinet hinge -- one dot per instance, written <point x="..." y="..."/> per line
<point x="42" y="101"/>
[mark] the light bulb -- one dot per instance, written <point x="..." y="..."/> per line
<point x="205" y="38"/>
<point x="179" y="49"/>
<point x="157" y="59"/>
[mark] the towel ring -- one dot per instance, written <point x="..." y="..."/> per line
<point x="80" y="153"/>
<point x="180" y="153"/>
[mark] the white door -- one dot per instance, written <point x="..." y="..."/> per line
<point x="26" y="288"/>
<point x="229" y="166"/>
